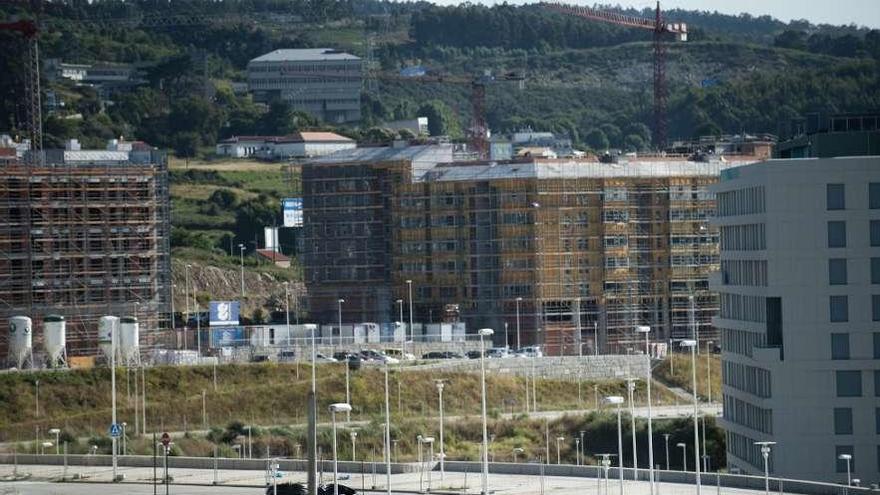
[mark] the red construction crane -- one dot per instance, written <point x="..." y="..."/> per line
<point x="660" y="29"/>
<point x="29" y="30"/>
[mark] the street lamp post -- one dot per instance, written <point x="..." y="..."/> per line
<point x="354" y="435"/>
<point x="114" y="343"/>
<point x="765" y="453"/>
<point x="411" y="331"/>
<point x="518" y="342"/>
<point x="577" y="451"/>
<point x="684" y="459"/>
<point x="618" y="400"/>
<point x="335" y="408"/>
<point x="484" y="332"/>
<point x="186" y="297"/>
<point x="666" y="437"/>
<point x="708" y="373"/>
<point x="340" y="301"/>
<point x="583" y="447"/>
<point x="559" y="440"/>
<point x="647" y="330"/>
<point x="241" y="262"/>
<point x="124" y="446"/>
<point x="312" y="479"/>
<point x="631" y="388"/>
<point x="692" y="344"/>
<point x="387" y="436"/>
<point x="517" y="450"/>
<point x="440" y="386"/>
<point x="430" y="442"/>
<point x="848" y="459"/>
<point x="56" y="432"/>
<point x="287" y="313"/>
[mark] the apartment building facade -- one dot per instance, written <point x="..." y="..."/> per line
<point x="573" y="254"/>
<point x="323" y="82"/>
<point x="799" y="286"/>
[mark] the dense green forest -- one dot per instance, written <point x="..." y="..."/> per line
<point x="586" y="79"/>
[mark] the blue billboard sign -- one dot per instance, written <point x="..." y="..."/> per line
<point x="293" y="212"/>
<point x="227" y="337"/>
<point x="223" y="313"/>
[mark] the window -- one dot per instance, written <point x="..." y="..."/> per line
<point x="875" y="233"/>
<point x="876" y="345"/>
<point x="875" y="271"/>
<point x="834" y="197"/>
<point x="843" y="422"/>
<point x="849" y="383"/>
<point x="838" y="308"/>
<point x="875" y="307"/>
<point x="841" y="464"/>
<point x="877" y="422"/>
<point x="874" y="195"/>
<point x="839" y="346"/>
<point x="836" y="234"/>
<point x="876" y="383"/>
<point x="837" y="271"/>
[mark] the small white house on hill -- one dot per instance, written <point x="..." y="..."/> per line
<point x="297" y="145"/>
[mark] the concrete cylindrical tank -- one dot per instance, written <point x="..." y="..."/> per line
<point x="129" y="338"/>
<point x="55" y="338"/>
<point x="107" y="326"/>
<point x="20" y="340"/>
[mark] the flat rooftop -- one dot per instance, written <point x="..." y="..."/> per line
<point x="305" y="55"/>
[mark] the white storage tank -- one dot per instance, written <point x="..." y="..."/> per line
<point x="55" y="340"/>
<point x="129" y="340"/>
<point x="20" y="341"/>
<point x="107" y="327"/>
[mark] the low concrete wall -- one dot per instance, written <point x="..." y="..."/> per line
<point x="707" y="479"/>
<point x="604" y="367"/>
<point x="200" y="463"/>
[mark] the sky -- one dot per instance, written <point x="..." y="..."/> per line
<point x="859" y="12"/>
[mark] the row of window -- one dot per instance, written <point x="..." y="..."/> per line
<point x="748" y="415"/>
<point x="843" y="421"/>
<point x="749" y="379"/>
<point x="749" y="237"/>
<point x="848" y="383"/>
<point x="840" y="348"/>
<point x="740" y="341"/>
<point x="837" y="271"/>
<point x="744" y="272"/>
<point x="748" y="201"/>
<point x="837" y="234"/>
<point x="743" y="308"/>
<point x="835" y="196"/>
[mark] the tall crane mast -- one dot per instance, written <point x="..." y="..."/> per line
<point x="661" y="29"/>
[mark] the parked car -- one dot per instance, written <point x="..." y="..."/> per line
<point x="287" y="355"/>
<point x="531" y="351"/>
<point x="452" y="355"/>
<point x="433" y="355"/>
<point x="498" y="352"/>
<point x="320" y="358"/>
<point x="473" y="354"/>
<point x="399" y="354"/>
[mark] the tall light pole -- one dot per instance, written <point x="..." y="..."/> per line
<point x="518" y="342"/>
<point x="241" y="262"/>
<point x="708" y="374"/>
<point x="692" y="344"/>
<point x="848" y="459"/>
<point x="36" y="398"/>
<point x="684" y="459"/>
<point x="765" y="453"/>
<point x="354" y="435"/>
<point x="339" y="303"/>
<point x="631" y="388"/>
<point x="440" y="386"/>
<point x="335" y="408"/>
<point x="114" y="342"/>
<point x="186" y="294"/>
<point x="618" y="400"/>
<point x="287" y="312"/>
<point x="583" y="447"/>
<point x="411" y="331"/>
<point x="387" y="436"/>
<point x="313" y="421"/>
<point x="484" y="332"/>
<point x="666" y="437"/>
<point x="577" y="451"/>
<point x="517" y="450"/>
<point x="647" y="330"/>
<point x="559" y="440"/>
<point x="57" y="433"/>
<point x="430" y="442"/>
<point x="400" y="309"/>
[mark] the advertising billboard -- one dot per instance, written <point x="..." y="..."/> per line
<point x="293" y="212"/>
<point x="223" y="313"/>
<point x="228" y="337"/>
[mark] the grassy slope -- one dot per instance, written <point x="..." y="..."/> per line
<point x="683" y="376"/>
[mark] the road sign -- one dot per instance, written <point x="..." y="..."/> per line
<point x="115" y="430"/>
<point x="166" y="439"/>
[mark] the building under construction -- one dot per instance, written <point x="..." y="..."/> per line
<point x="574" y="253"/>
<point x="84" y="235"/>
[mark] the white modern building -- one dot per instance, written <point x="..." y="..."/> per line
<point x="800" y="315"/>
<point x="323" y="82"/>
<point x="297" y="145"/>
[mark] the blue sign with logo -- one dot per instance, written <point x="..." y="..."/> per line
<point x="115" y="430"/>
<point x="293" y="212"/>
<point x="223" y="313"/>
<point x="227" y="337"/>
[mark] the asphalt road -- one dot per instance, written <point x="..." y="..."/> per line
<point x="46" y="488"/>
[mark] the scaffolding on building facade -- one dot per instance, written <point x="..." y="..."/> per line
<point x="84" y="240"/>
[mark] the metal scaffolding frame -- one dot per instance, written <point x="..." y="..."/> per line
<point x="84" y="240"/>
